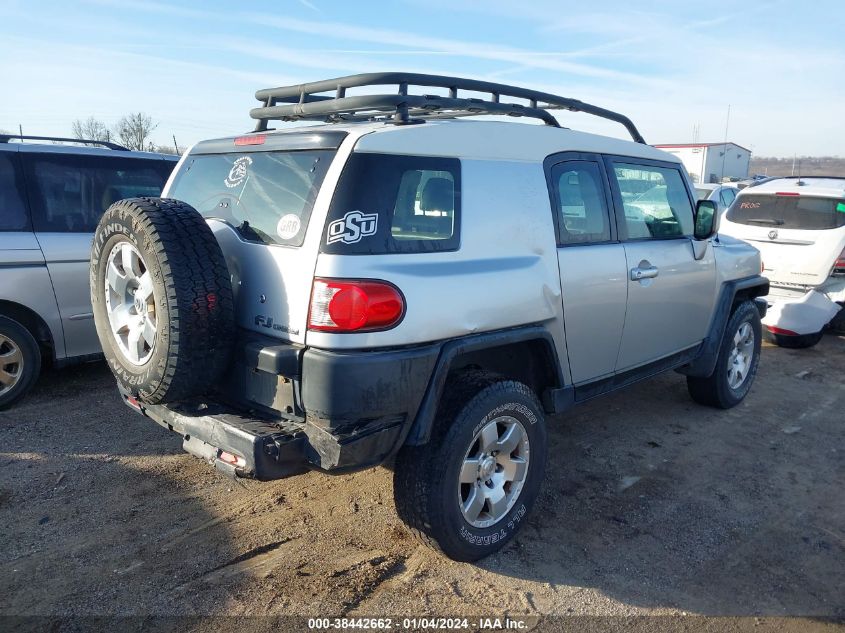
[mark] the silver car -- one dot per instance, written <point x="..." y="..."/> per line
<point x="51" y="198"/>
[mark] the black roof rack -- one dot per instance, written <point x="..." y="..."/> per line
<point x="303" y="101"/>
<point x="5" y="138"/>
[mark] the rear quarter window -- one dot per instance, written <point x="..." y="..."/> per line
<point x="395" y="204"/>
<point x="13" y="212"/>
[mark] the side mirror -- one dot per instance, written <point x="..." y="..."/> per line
<point x="705" y="219"/>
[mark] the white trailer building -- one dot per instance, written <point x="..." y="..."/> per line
<point x="712" y="162"/>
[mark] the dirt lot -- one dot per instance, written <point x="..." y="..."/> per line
<point x="652" y="505"/>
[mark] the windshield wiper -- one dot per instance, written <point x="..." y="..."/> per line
<point x="765" y="221"/>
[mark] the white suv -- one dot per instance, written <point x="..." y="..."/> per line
<point x="399" y="286"/>
<point x="798" y="224"/>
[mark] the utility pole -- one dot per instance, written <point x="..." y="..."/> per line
<point x="725" y="146"/>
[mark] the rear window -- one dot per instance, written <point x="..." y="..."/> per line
<point x="395" y="204"/>
<point x="788" y="212"/>
<point x="70" y="192"/>
<point x="266" y="196"/>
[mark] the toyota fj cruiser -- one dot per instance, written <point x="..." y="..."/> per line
<point x="400" y="286"/>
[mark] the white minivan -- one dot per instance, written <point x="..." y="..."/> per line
<point x="798" y="225"/>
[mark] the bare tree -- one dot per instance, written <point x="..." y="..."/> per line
<point x="90" y="129"/>
<point x="134" y="130"/>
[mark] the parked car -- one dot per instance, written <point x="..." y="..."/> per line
<point x="799" y="227"/>
<point x="722" y="195"/>
<point x="51" y="198"/>
<point x="401" y="284"/>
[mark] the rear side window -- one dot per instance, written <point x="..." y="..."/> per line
<point x="266" y="196"/>
<point x="69" y="193"/>
<point x="788" y="212"/>
<point x="395" y="204"/>
<point x="13" y="213"/>
<point x="655" y="201"/>
<point x="582" y="212"/>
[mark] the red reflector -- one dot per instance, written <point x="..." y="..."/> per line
<point x="780" y="330"/>
<point x="787" y="193"/>
<point x="133" y="402"/>
<point x="230" y="458"/>
<point x="354" y="306"/>
<point x="255" y="139"/>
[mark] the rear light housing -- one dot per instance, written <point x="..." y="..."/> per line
<point x="253" y="139"/>
<point x="354" y="305"/>
<point x="839" y="265"/>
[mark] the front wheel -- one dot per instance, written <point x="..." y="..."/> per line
<point x="468" y="491"/>
<point x="736" y="366"/>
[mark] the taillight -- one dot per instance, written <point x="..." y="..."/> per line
<point x="839" y="265"/>
<point x="354" y="305"/>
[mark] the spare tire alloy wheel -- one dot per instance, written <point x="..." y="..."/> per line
<point x="493" y="472"/>
<point x="130" y="303"/>
<point x="162" y="299"/>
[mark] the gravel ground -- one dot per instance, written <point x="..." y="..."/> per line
<point x="652" y="506"/>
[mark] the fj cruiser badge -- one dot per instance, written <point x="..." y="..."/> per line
<point x="238" y="172"/>
<point x="352" y="227"/>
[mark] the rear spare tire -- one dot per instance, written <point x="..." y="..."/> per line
<point x="162" y="299"/>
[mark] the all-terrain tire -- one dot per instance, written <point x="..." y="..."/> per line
<point x="20" y="361"/>
<point x="191" y="297"/>
<point x="426" y="478"/>
<point x="715" y="390"/>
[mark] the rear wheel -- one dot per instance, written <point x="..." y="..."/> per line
<point x="20" y="361"/>
<point x="837" y="323"/>
<point x="736" y="365"/>
<point x="468" y="491"/>
<point x="162" y="299"/>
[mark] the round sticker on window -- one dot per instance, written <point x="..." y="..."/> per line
<point x="288" y="226"/>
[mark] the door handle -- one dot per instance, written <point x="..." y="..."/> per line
<point x="649" y="272"/>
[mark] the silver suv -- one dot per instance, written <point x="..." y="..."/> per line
<point x="51" y="198"/>
<point x="399" y="285"/>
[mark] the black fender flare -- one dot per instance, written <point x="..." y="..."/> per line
<point x="554" y="399"/>
<point x="746" y="288"/>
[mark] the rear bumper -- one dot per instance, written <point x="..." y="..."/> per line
<point x="286" y="409"/>
<point x="799" y="316"/>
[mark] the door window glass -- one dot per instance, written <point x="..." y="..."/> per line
<point x="655" y="201"/>
<point x="582" y="208"/>
<point x="69" y="192"/>
<point x="13" y="214"/>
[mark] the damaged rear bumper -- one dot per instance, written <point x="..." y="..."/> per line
<point x="284" y="409"/>
<point x="800" y="312"/>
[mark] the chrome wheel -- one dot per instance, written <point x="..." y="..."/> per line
<point x="741" y="356"/>
<point x="11" y="364"/>
<point x="130" y="303"/>
<point x="493" y="471"/>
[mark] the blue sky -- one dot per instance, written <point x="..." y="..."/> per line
<point x="194" y="66"/>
